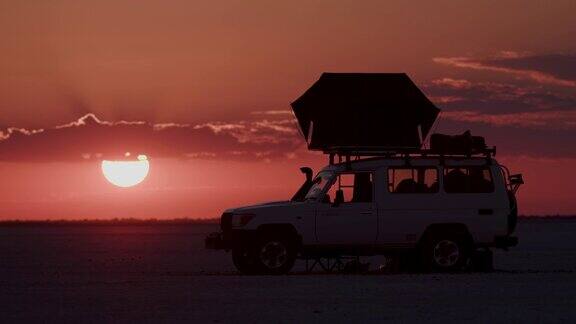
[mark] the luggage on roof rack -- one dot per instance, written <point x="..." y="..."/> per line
<point x="457" y="144"/>
<point x="375" y="114"/>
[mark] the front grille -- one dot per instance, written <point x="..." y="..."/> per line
<point x="226" y="221"/>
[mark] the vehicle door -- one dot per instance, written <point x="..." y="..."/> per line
<point x="475" y="200"/>
<point x="347" y="213"/>
<point x="422" y="195"/>
<point x="409" y="204"/>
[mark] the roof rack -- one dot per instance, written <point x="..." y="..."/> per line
<point x="346" y="152"/>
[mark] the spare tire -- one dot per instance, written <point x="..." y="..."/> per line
<point x="513" y="215"/>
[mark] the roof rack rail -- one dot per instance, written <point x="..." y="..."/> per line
<point x="347" y="152"/>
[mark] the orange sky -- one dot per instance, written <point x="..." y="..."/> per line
<point x="214" y="80"/>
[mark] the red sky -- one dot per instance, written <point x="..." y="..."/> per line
<point x="204" y="89"/>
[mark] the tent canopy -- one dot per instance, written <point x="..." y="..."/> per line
<point x="367" y="110"/>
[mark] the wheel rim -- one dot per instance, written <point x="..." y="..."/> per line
<point x="446" y="253"/>
<point x="273" y="255"/>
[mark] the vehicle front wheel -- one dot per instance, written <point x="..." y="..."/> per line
<point x="275" y="254"/>
<point x="445" y="253"/>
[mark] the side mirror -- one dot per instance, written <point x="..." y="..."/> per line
<point x="339" y="198"/>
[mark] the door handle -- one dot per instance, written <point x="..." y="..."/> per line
<point x="485" y="211"/>
<point x="366" y="213"/>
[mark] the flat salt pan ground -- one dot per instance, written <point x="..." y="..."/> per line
<point x="162" y="273"/>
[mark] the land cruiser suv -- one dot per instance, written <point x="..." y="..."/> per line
<point x="439" y="209"/>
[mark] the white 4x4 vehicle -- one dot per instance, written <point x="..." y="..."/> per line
<point x="439" y="209"/>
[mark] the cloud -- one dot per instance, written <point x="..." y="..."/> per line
<point x="496" y="97"/>
<point x="543" y="69"/>
<point x="536" y="118"/>
<point x="559" y="65"/>
<point x="14" y="131"/>
<point x="452" y="83"/>
<point x="513" y="140"/>
<point x="273" y="112"/>
<point x="539" y="120"/>
<point x="258" y="132"/>
<point x="89" y="137"/>
<point x="91" y="118"/>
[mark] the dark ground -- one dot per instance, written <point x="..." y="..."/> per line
<point x="160" y="272"/>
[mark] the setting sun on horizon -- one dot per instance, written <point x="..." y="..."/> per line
<point x="126" y="173"/>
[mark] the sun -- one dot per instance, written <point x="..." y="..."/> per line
<point x="126" y="173"/>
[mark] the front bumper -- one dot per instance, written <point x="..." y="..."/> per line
<point x="226" y="240"/>
<point x="215" y="241"/>
<point x="504" y="242"/>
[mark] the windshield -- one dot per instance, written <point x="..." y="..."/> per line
<point x="319" y="183"/>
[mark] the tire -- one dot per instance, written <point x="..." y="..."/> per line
<point x="275" y="254"/>
<point x="445" y="252"/>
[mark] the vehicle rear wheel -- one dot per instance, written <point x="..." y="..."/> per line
<point x="275" y="254"/>
<point x="445" y="253"/>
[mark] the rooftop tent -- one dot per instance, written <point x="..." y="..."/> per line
<point x="364" y="110"/>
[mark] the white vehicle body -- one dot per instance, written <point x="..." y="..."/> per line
<point x="387" y="220"/>
<point x="393" y="219"/>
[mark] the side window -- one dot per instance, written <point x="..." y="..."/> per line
<point x="356" y="187"/>
<point x="468" y="180"/>
<point x="319" y="183"/>
<point x="412" y="180"/>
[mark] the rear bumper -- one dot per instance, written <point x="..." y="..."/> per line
<point x="504" y="242"/>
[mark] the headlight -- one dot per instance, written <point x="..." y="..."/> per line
<point x="239" y="220"/>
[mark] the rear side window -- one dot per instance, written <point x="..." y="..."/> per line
<point x="412" y="180"/>
<point x="468" y="180"/>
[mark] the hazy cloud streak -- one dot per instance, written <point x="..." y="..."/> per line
<point x="90" y="137"/>
<point x="488" y="65"/>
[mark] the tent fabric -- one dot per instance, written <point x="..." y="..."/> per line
<point x="368" y="110"/>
